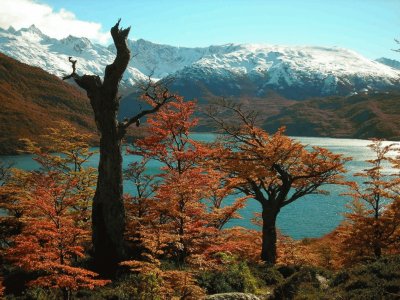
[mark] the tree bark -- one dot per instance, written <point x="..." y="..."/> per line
<point x="377" y="251"/>
<point x="108" y="213"/>
<point x="268" y="249"/>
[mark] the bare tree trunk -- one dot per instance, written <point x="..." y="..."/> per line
<point x="268" y="249"/>
<point x="108" y="214"/>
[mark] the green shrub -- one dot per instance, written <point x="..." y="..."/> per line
<point x="237" y="277"/>
<point x="287" y="271"/>
<point x="37" y="293"/>
<point x="376" y="280"/>
<point x="302" y="284"/>
<point x="267" y="275"/>
<point x="133" y="286"/>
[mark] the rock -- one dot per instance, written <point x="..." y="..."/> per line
<point x="233" y="296"/>
<point x="322" y="281"/>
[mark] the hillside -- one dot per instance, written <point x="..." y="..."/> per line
<point x="359" y="116"/>
<point x="32" y="99"/>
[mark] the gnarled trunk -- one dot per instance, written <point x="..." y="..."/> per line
<point x="268" y="250"/>
<point x="108" y="214"/>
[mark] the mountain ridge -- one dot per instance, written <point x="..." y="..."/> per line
<point x="298" y="72"/>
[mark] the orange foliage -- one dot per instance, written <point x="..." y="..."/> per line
<point x="372" y="227"/>
<point x="64" y="156"/>
<point x="275" y="170"/>
<point x="238" y="242"/>
<point x="65" y="153"/>
<point x="50" y="240"/>
<point x="188" y="201"/>
<point x="48" y="211"/>
<point x="265" y="159"/>
<point x="179" y="213"/>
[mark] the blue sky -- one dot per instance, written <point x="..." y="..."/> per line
<point x="367" y="26"/>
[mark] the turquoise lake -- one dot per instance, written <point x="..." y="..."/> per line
<point x="310" y="216"/>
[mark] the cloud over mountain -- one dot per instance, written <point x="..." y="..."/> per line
<point x="57" y="24"/>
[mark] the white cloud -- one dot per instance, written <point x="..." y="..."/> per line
<point x="57" y="24"/>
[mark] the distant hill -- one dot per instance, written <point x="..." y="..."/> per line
<point x="358" y="116"/>
<point x="32" y="99"/>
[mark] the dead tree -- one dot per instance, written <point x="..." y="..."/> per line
<point x="108" y="214"/>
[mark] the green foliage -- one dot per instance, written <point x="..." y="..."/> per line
<point x="305" y="282"/>
<point x="288" y="270"/>
<point x="237" y="277"/>
<point x="268" y="275"/>
<point x="377" y="280"/>
<point x="134" y="286"/>
<point x="38" y="293"/>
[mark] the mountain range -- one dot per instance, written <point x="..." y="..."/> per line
<point x="313" y="91"/>
<point x="231" y="70"/>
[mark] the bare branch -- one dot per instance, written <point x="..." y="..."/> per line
<point x="238" y="128"/>
<point x="113" y="72"/>
<point x="73" y="74"/>
<point x="90" y="83"/>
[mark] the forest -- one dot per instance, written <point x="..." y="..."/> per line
<point x="68" y="231"/>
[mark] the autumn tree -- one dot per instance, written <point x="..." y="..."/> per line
<point x="62" y="157"/>
<point x="373" y="224"/>
<point x="65" y="152"/>
<point x="51" y="239"/>
<point x="139" y="208"/>
<point x="187" y="209"/>
<point x="273" y="169"/>
<point x="108" y="214"/>
<point x="181" y="209"/>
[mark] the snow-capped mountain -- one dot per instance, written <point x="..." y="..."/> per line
<point x="233" y="69"/>
<point x="296" y="72"/>
<point x="395" y="64"/>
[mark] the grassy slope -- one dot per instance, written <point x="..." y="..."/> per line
<point x="32" y="99"/>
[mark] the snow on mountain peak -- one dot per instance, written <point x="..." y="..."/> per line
<point x="32" y="32"/>
<point x="266" y="66"/>
<point x="11" y="29"/>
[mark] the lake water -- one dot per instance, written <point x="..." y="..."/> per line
<point x="310" y="216"/>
